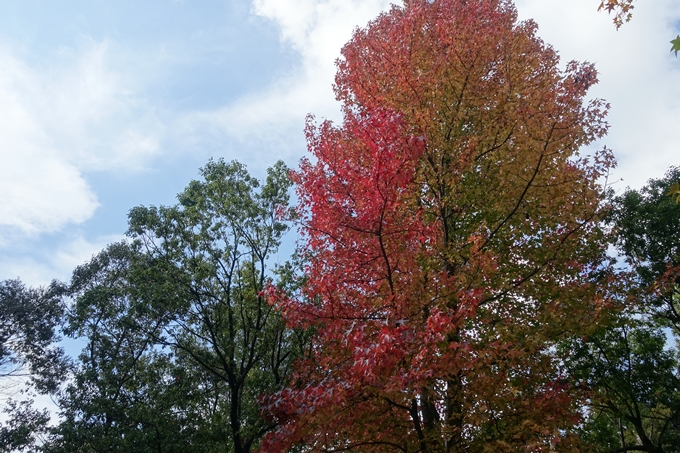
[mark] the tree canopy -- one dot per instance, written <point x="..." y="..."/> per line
<point x="180" y="339"/>
<point x="453" y="238"/>
<point x="632" y="368"/>
<point x="29" y="318"/>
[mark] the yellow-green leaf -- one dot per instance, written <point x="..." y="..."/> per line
<point x="674" y="192"/>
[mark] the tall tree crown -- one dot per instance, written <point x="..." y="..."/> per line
<point x="452" y="236"/>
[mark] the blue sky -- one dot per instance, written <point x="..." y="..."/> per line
<point x="108" y="105"/>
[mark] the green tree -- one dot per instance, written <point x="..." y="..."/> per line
<point x="634" y="384"/>
<point x="126" y="393"/>
<point x="632" y="370"/>
<point x="24" y="428"/>
<point x="29" y="319"/>
<point x="28" y="336"/>
<point x="647" y="234"/>
<point x="181" y="340"/>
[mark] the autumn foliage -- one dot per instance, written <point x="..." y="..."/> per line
<point x="622" y="9"/>
<point x="452" y="238"/>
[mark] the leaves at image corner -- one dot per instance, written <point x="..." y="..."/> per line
<point x="24" y="428"/>
<point x="633" y="377"/>
<point x="181" y="341"/>
<point x="623" y="12"/>
<point x="622" y="9"/>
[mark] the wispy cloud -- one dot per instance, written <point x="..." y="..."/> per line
<point x="57" y="122"/>
<point x="59" y="261"/>
<point x="274" y="116"/>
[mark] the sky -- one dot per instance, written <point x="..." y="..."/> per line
<point x="108" y="105"/>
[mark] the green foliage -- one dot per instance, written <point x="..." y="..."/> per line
<point x="631" y="370"/>
<point x="124" y="395"/>
<point x="647" y="233"/>
<point x="675" y="45"/>
<point x="181" y="340"/>
<point x="24" y="427"/>
<point x="635" y="385"/>
<point x="206" y="271"/>
<point x="28" y="321"/>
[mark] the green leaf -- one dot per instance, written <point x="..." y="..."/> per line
<point x="676" y="45"/>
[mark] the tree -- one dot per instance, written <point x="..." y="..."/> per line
<point x="29" y="318"/>
<point x="127" y="394"/>
<point x="28" y="321"/>
<point x="453" y="240"/>
<point x="646" y="233"/>
<point x="25" y="426"/>
<point x="634" y="380"/>
<point x="181" y="342"/>
<point x="632" y="369"/>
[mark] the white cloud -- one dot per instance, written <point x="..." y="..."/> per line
<point x="55" y="123"/>
<point x="317" y="30"/>
<point x="56" y="263"/>
<point x="89" y="113"/>
<point x="638" y="76"/>
<point x="39" y="191"/>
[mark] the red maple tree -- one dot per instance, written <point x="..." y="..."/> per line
<point x="452" y="235"/>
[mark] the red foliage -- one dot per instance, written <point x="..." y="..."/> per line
<point x="452" y="238"/>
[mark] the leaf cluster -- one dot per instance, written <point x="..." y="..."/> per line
<point x="29" y="318"/>
<point x="622" y="9"/>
